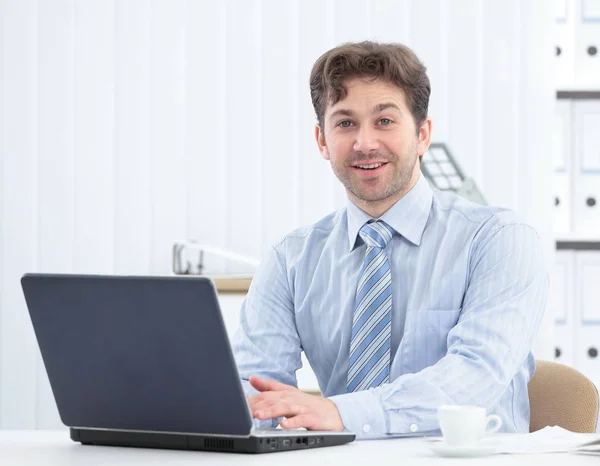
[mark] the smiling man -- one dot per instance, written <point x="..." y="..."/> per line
<point x="407" y="298"/>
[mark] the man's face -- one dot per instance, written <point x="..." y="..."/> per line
<point x="372" y="142"/>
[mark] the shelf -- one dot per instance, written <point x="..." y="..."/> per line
<point x="578" y="241"/>
<point x="312" y="391"/>
<point x="575" y="93"/>
<point x="235" y="285"/>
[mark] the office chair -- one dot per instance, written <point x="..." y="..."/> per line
<point x="562" y="396"/>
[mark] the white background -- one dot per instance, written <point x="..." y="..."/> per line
<point x="128" y="125"/>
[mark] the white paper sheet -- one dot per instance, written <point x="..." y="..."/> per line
<point x="547" y="440"/>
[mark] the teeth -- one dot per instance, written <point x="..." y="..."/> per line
<point x="370" y="167"/>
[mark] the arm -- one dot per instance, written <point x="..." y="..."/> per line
<point x="267" y="342"/>
<point x="502" y="310"/>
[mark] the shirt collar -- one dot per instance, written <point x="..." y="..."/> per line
<point x="408" y="216"/>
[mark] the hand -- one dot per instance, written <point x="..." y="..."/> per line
<point x="299" y="409"/>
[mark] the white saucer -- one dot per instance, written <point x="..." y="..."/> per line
<point x="472" y="451"/>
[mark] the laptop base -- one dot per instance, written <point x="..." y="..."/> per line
<point x="249" y="444"/>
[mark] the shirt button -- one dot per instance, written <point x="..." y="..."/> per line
<point x="413" y="427"/>
<point x="366" y="428"/>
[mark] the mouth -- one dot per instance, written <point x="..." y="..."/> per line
<point x="370" y="168"/>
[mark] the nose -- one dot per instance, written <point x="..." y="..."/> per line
<point x="366" y="140"/>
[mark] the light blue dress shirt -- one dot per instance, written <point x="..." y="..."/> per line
<point x="469" y="292"/>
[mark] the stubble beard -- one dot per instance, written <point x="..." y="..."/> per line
<point x="401" y="177"/>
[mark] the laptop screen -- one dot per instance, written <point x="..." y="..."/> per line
<point x="137" y="353"/>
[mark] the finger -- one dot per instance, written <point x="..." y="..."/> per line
<point x="265" y="403"/>
<point x="268" y="397"/>
<point x="272" y="411"/>
<point x="266" y="385"/>
<point x="308" y="420"/>
<point x="280" y="410"/>
<point x="295" y="397"/>
<point x="253" y="400"/>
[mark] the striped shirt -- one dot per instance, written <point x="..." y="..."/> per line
<point x="469" y="288"/>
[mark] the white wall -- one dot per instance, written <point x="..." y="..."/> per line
<point x="127" y="125"/>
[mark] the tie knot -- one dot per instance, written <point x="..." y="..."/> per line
<point x="376" y="234"/>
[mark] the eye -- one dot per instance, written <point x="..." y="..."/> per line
<point x="385" y="121"/>
<point x="345" y="124"/>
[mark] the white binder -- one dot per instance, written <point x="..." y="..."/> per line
<point x="562" y="167"/>
<point x="587" y="44"/>
<point x="561" y="7"/>
<point x="560" y="305"/>
<point x="587" y="304"/>
<point x="586" y="181"/>
<point x="564" y="57"/>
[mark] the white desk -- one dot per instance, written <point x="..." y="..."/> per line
<point x="19" y="448"/>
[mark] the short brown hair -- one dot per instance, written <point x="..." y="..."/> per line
<point x="393" y="63"/>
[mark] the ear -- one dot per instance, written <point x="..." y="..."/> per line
<point x="320" y="137"/>
<point x="424" y="137"/>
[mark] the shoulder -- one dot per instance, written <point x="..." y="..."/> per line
<point x="492" y="230"/>
<point x="448" y="204"/>
<point x="313" y="235"/>
<point x="485" y="220"/>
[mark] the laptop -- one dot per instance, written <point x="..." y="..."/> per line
<point x="146" y="362"/>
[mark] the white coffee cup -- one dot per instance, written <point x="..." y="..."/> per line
<point x="466" y="425"/>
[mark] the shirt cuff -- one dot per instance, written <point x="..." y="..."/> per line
<point x="361" y="413"/>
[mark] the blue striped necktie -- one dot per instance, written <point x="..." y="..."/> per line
<point x="369" y="364"/>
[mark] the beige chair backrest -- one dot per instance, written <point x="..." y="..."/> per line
<point x="562" y="396"/>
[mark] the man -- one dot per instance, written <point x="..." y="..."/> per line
<point x="405" y="300"/>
